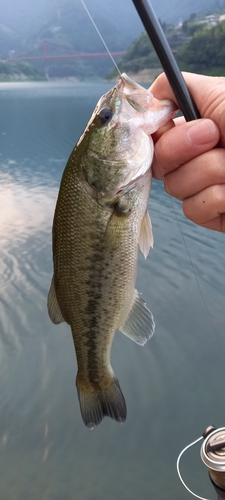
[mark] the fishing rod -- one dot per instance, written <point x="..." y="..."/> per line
<point x="167" y="59"/>
<point x="213" y="456"/>
<point x="213" y="448"/>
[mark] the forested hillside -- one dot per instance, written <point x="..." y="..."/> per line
<point x="196" y="46"/>
<point x="205" y="52"/>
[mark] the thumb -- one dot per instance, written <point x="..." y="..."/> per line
<point x="208" y="93"/>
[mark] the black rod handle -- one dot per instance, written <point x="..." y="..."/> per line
<point x="167" y="59"/>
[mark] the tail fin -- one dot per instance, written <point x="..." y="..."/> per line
<point x="95" y="404"/>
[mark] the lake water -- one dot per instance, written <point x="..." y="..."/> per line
<point x="174" y="386"/>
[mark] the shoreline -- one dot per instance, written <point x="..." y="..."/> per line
<point x="143" y="76"/>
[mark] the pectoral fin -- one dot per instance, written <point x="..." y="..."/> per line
<point x="53" y="306"/>
<point x="146" y="236"/>
<point x="139" y="325"/>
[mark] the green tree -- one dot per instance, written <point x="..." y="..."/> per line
<point x="206" y="49"/>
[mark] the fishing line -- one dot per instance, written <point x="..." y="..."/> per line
<point x="178" y="468"/>
<point x="101" y="37"/>
<point x="184" y="242"/>
<point x="178" y="85"/>
<point x="189" y="256"/>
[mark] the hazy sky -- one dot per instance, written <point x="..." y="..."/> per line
<point x="20" y="15"/>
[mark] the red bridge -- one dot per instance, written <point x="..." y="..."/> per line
<point x="48" y="56"/>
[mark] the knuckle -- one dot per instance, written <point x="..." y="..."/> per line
<point x="218" y="164"/>
<point x="211" y="166"/>
<point x="218" y="196"/>
<point x="166" y="152"/>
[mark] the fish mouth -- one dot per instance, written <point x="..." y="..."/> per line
<point x="136" y="95"/>
<point x="143" y="101"/>
<point x="126" y="82"/>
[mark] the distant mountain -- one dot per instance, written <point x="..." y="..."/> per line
<point x="23" y="17"/>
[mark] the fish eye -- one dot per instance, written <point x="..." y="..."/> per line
<point x="105" y="115"/>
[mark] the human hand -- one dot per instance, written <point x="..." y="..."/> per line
<point x="190" y="156"/>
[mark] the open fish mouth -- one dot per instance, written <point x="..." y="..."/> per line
<point x="134" y="93"/>
<point x="142" y="99"/>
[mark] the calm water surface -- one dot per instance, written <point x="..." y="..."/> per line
<point x="174" y="386"/>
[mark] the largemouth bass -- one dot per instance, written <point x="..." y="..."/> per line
<point x="100" y="221"/>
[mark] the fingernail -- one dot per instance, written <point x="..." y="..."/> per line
<point x="201" y="132"/>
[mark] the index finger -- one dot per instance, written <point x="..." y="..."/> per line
<point x="171" y="124"/>
<point x="181" y="144"/>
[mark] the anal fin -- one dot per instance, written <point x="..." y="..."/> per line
<point x="53" y="306"/>
<point x="139" y="325"/>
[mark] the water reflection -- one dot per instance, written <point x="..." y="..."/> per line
<point x="172" y="386"/>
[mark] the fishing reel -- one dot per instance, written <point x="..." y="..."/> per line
<point x="213" y="456"/>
